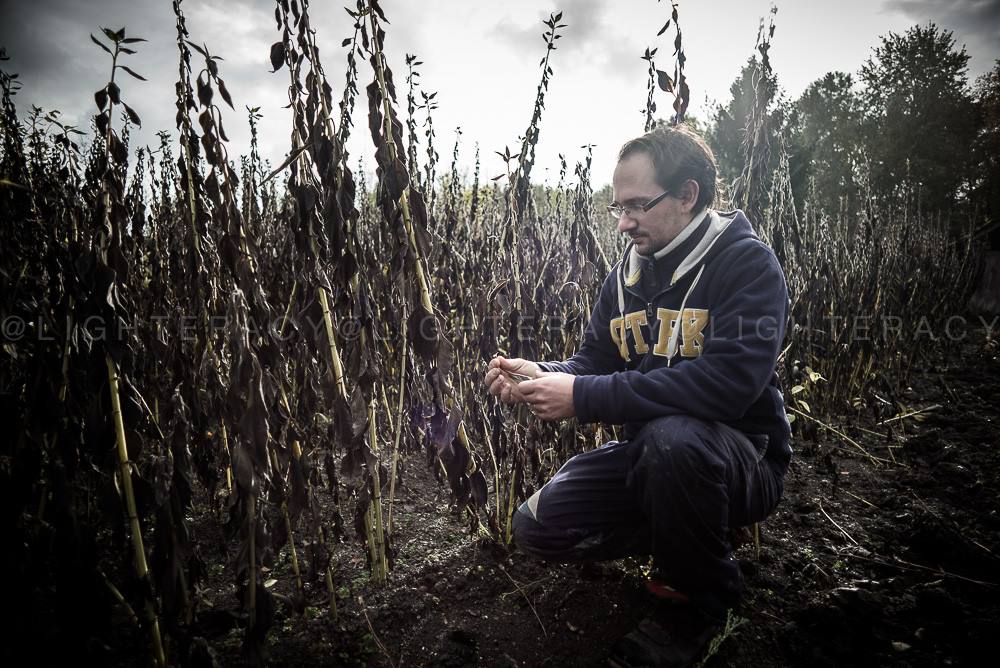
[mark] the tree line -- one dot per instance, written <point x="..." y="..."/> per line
<point x="908" y="129"/>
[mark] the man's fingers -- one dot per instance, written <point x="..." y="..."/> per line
<point x="509" y="395"/>
<point x="500" y="362"/>
<point x="507" y="392"/>
<point x="497" y="384"/>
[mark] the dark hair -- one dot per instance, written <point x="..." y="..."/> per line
<point x="678" y="153"/>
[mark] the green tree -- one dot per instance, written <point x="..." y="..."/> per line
<point x="727" y="127"/>
<point x="825" y="145"/>
<point x="920" y="120"/>
<point x="986" y="154"/>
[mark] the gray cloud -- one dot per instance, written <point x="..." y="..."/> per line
<point x="586" y="36"/>
<point x="975" y="23"/>
<point x="49" y="47"/>
<point x="582" y="18"/>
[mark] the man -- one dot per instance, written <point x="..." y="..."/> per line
<point x="681" y="349"/>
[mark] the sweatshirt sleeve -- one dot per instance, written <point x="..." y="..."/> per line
<point x="741" y="346"/>
<point x="598" y="354"/>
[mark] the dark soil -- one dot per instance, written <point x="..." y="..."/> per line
<point x="887" y="561"/>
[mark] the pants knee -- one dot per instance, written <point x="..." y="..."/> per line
<point x="521" y="525"/>
<point x="532" y="538"/>
<point x="678" y="442"/>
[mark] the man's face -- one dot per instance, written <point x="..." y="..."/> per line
<point x="634" y="184"/>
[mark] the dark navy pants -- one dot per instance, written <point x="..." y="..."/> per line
<point x="672" y="492"/>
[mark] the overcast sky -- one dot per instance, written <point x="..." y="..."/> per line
<point x="481" y="58"/>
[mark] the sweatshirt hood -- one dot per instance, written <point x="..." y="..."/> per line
<point x="731" y="224"/>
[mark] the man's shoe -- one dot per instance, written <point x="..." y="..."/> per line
<point x="668" y="638"/>
<point x="661" y="591"/>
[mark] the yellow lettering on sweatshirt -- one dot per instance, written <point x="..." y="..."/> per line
<point x="617" y="330"/>
<point x="691" y="338"/>
<point x="635" y="321"/>
<point x="668" y="320"/>
<point x="692" y="326"/>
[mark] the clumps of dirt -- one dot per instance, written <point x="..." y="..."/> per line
<point x="891" y="563"/>
<point x="894" y="565"/>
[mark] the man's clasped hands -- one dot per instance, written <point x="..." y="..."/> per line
<point x="549" y="394"/>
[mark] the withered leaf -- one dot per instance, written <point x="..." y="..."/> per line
<point x="224" y="92"/>
<point x="477" y="484"/>
<point x="277" y="56"/>
<point x="100" y="44"/>
<point x="132" y="116"/>
<point x="359" y="415"/>
<point x="133" y="72"/>
<point x="424" y="333"/>
<point x="664" y="81"/>
<point x="242" y="467"/>
<point x="101" y="98"/>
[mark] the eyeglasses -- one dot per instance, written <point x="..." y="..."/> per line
<point x="617" y="210"/>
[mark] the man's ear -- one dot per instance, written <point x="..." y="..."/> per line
<point x="688" y="194"/>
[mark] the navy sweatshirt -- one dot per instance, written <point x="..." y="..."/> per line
<point x="701" y="337"/>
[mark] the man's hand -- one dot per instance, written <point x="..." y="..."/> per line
<point x="502" y="385"/>
<point x="550" y="396"/>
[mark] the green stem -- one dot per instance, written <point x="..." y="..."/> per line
<point x="380" y="566"/>
<point x="125" y="473"/>
<point x="399" y="427"/>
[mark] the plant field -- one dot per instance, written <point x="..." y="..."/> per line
<point x="244" y="412"/>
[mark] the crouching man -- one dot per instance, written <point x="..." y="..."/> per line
<point x="681" y="349"/>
